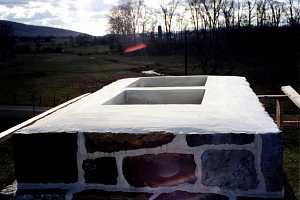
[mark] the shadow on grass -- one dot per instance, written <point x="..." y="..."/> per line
<point x="291" y="140"/>
<point x="289" y="193"/>
<point x="7" y="172"/>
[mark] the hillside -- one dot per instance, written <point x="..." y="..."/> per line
<point x="24" y="30"/>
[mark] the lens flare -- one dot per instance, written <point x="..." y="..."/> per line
<point x="135" y="48"/>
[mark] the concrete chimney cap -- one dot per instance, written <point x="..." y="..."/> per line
<point x="177" y="104"/>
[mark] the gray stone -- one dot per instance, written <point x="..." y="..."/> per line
<point x="113" y="195"/>
<point x="6" y="197"/>
<point x="227" y="138"/>
<point x="181" y="195"/>
<point x="229" y="169"/>
<point x="101" y="170"/>
<point x="271" y="164"/>
<point x="257" y="198"/>
<point x="155" y="170"/>
<point x="42" y="194"/>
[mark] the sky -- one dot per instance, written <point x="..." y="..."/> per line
<point x="86" y="16"/>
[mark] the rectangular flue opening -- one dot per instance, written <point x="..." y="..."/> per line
<point x="170" y="81"/>
<point x="179" y="96"/>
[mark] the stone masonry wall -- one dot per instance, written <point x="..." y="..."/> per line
<point x="148" y="166"/>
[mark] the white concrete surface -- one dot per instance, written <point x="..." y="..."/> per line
<point x="170" y="81"/>
<point x="170" y="96"/>
<point x="229" y="106"/>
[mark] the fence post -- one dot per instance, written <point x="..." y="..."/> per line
<point x="33" y="103"/>
<point x="40" y="101"/>
<point x="278" y="113"/>
<point x="185" y="53"/>
<point x="292" y="94"/>
<point x="54" y="101"/>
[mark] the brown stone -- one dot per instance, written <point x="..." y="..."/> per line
<point x="165" y="169"/>
<point x="113" y="142"/>
<point x="104" y="195"/>
<point x="181" y="195"/>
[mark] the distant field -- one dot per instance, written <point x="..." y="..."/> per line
<point x="59" y="75"/>
<point x="87" y="69"/>
<point x="69" y="75"/>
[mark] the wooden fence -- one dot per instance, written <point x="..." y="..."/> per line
<point x="6" y="134"/>
<point x="289" y="94"/>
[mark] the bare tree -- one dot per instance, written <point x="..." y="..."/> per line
<point x="181" y="21"/>
<point x="238" y="13"/>
<point x="168" y="10"/>
<point x="261" y="12"/>
<point x="153" y="23"/>
<point x="250" y="5"/>
<point x="124" y="19"/>
<point x="277" y="9"/>
<point x="145" y="18"/>
<point x="136" y="15"/>
<point x="212" y="10"/>
<point x="195" y="9"/>
<point x="120" y="20"/>
<point x="293" y="13"/>
<point x="297" y="13"/>
<point x="228" y="12"/>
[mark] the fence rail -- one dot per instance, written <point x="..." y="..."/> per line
<point x="34" y="100"/>
<point x="6" y="134"/>
<point x="289" y="94"/>
<point x="292" y="94"/>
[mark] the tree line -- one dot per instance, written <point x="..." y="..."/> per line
<point x="132" y="17"/>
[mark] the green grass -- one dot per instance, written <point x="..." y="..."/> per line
<point x="7" y="173"/>
<point x="87" y="69"/>
<point x="60" y="75"/>
<point x="69" y="75"/>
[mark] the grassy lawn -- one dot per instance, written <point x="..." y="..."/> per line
<point x="50" y="79"/>
<point x="87" y="69"/>
<point x="69" y="75"/>
<point x="60" y="75"/>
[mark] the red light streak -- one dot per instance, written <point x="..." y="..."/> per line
<point x="135" y="48"/>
